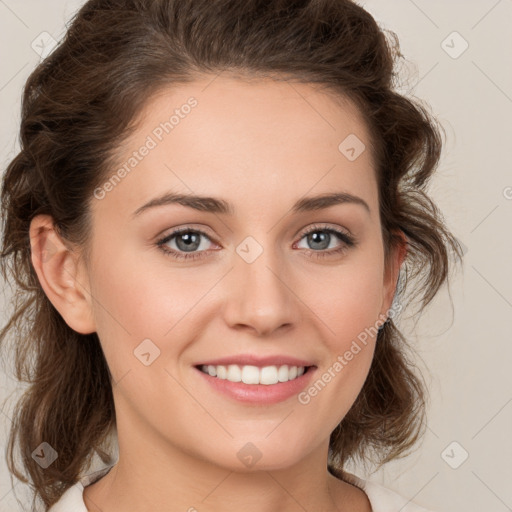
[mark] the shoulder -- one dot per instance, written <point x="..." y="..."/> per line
<point x="72" y="500"/>
<point x="383" y="499"/>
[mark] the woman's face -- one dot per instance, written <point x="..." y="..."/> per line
<point x="254" y="284"/>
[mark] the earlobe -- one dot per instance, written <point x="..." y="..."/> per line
<point x="57" y="268"/>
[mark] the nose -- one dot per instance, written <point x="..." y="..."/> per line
<point x="260" y="297"/>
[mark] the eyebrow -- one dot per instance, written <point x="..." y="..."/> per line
<point x="215" y="205"/>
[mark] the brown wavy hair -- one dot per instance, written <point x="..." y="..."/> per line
<point x="80" y="104"/>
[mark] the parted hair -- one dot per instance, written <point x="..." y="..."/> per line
<point x="79" y="105"/>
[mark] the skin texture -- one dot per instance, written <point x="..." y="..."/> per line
<point x="260" y="145"/>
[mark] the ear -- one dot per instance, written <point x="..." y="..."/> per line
<point x="392" y="270"/>
<point x="61" y="275"/>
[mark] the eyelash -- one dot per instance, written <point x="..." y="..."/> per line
<point x="348" y="242"/>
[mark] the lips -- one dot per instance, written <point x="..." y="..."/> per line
<point x="256" y="394"/>
<point x="255" y="360"/>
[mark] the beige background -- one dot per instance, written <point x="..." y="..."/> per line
<point x="468" y="348"/>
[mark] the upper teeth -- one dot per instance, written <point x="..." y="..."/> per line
<point x="253" y="374"/>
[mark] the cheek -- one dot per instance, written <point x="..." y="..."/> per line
<point x="133" y="301"/>
<point x="348" y="305"/>
<point x="348" y="301"/>
<point x="349" y="311"/>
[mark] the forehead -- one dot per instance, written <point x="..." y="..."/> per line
<point x="223" y="135"/>
<point x="305" y="109"/>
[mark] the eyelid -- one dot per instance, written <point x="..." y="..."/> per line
<point x="325" y="226"/>
<point x="202" y="228"/>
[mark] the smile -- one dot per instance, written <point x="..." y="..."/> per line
<point x="249" y="374"/>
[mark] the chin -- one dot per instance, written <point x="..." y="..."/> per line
<point x="251" y="456"/>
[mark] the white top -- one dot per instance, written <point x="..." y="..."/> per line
<point x="381" y="498"/>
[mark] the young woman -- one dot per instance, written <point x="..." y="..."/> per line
<point x="217" y="213"/>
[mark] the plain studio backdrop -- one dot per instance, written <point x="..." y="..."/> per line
<point x="458" y="60"/>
